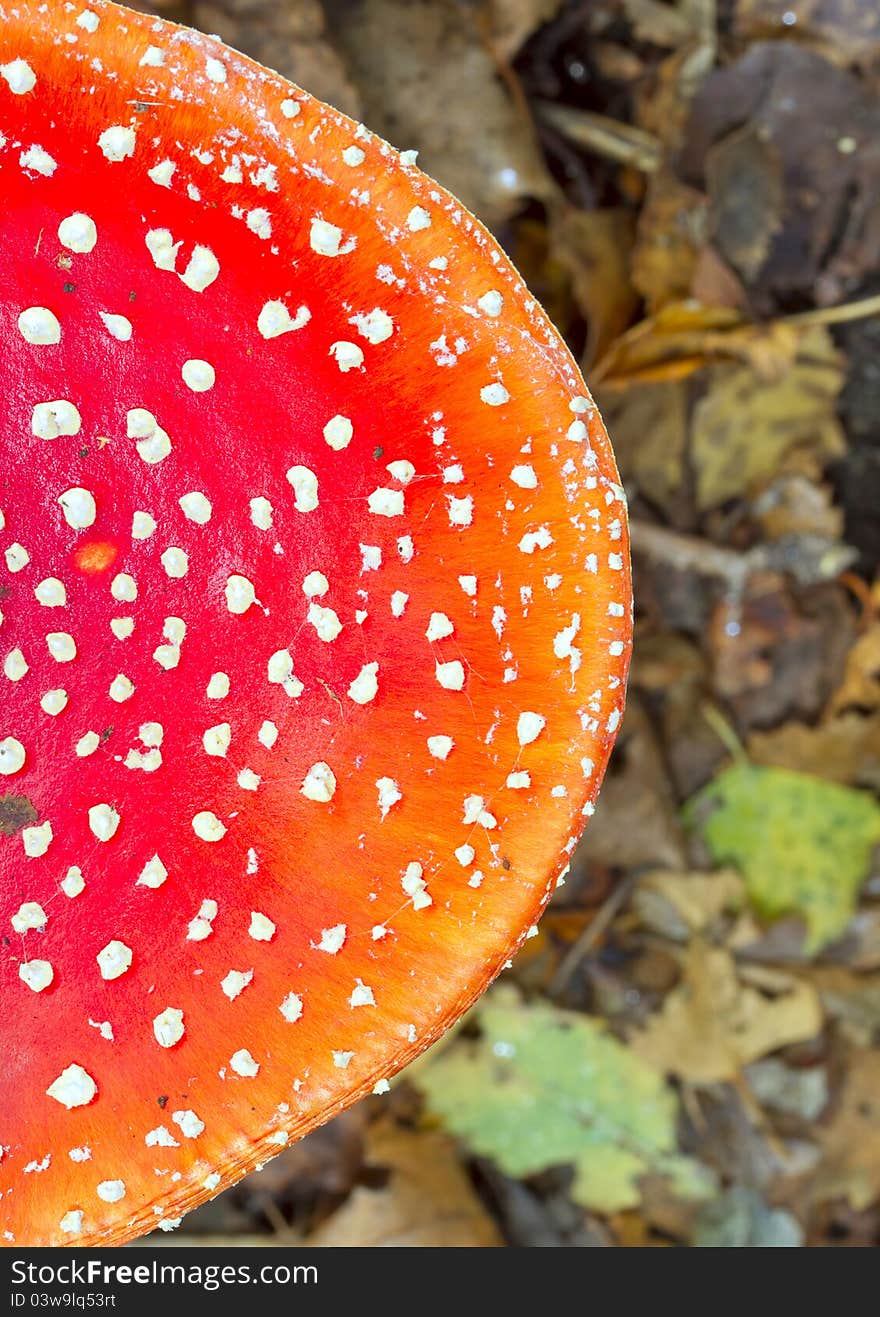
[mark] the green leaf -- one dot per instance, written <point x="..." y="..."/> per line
<point x="545" y="1087"/>
<point x="802" y="844"/>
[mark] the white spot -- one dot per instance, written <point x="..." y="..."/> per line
<point x="291" y="1008"/>
<point x="218" y="686"/>
<point x="198" y="375"/>
<point x="417" y="219"/>
<point x="202" y="269"/>
<point x="365" y="685"/>
<point x="168" y="1026"/>
<point x="39" y="325"/>
<point x="74" y="1087"/>
<point x="20" y="76"/>
<point x="386" y="502"/>
<point x="244" y="1064"/>
<point x="103" y="821"/>
<point x="142" y="526"/>
<point x="338" y="432"/>
<point x="37" y="974"/>
<point x="450" y="675"/>
<point x="440" y="746"/>
<point x="261" y="928"/>
<point x="15" y="665"/>
<point x="51" y="593"/>
<point x="348" y="356"/>
<point x="207" y="826"/>
<point x="389" y="794"/>
<point x="325" y="621"/>
<point x="36" y="841"/>
<point x="176" y="562"/>
<point x="153" y="444"/>
<point x="196" y="507"/>
<point x="280" y="673"/>
<point x="468" y="584"/>
<point x="261" y="513"/>
<point x="235" y="982"/>
<point x="375" y="326"/>
<point x="216" y="740"/>
<point x="118" y="327"/>
<point x="305" y="488"/>
<point x="491" y="303"/>
<point x="117" y="143"/>
<point x="215" y="70"/>
<point x="494" y="395"/>
<point x="188" y="1123"/>
<point x="78" y="233"/>
<point x="87" y="745"/>
<point x="319" y="783"/>
<point x="78" y="506"/>
<point x="52" y="419"/>
<point x="275" y="319"/>
<point x="121" y="688"/>
<point x="72" y="1222"/>
<point x="38" y="161"/>
<point x="268" y="734"/>
<point x="461" y="510"/>
<point x="114" y="959"/>
<point x="111" y="1191"/>
<point x="61" y="646"/>
<point x="162" y="174"/>
<point x="439" y="627"/>
<point x="12" y="756"/>
<point x="326" y="239"/>
<point x="153" y="873"/>
<point x="332" y="939"/>
<point x="240" y="594"/>
<point x="524" y="476"/>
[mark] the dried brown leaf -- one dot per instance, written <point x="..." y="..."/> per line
<point x="427" y="1201"/>
<point x="744" y="428"/>
<point x="713" y="1024"/>
<point x="429" y="82"/>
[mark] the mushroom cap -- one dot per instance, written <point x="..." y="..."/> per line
<point x="316" y="616"/>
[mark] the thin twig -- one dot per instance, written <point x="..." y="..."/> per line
<point x="595" y="930"/>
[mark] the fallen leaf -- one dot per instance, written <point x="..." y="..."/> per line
<point x="846" y="31"/>
<point x="850" y="1165"/>
<point x="776" y="654"/>
<point x="649" y="422"/>
<point x="595" y="247"/>
<point x="740" y="1218"/>
<point x="788" y="1090"/>
<point x="427" y="1200"/>
<point x="845" y="749"/>
<point x="670" y="236"/>
<point x="678" y="905"/>
<point x="713" y="1024"/>
<point x="428" y="82"/>
<point x="815" y="124"/>
<point x="743" y="428"/>
<point x="545" y="1087"/>
<point x="802" y="844"/>
<point x="511" y="22"/>
<point x="746" y="198"/>
<point x="860" y="688"/>
<point x="851" y="999"/>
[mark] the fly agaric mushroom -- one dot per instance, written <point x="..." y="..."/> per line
<point x="316" y="616"/>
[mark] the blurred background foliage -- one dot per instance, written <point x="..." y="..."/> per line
<point x="687" y="1052"/>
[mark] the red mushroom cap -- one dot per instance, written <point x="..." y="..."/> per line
<point x="315" y="616"/>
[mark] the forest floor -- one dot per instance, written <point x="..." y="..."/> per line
<point x="692" y="189"/>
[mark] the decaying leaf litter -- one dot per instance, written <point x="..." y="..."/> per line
<point x="688" y="1051"/>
